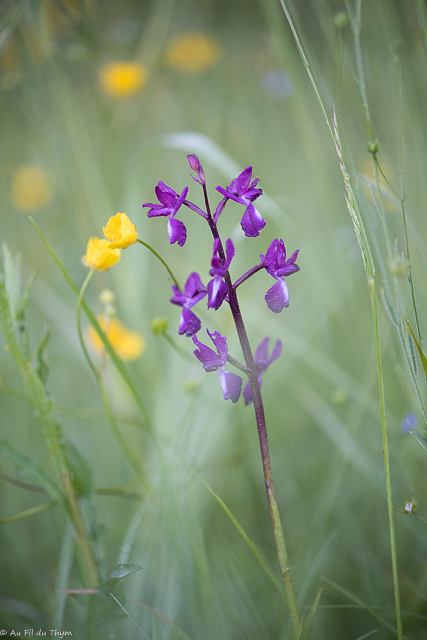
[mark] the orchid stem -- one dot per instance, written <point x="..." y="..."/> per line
<point x="278" y="534"/>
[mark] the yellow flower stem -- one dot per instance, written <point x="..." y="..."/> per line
<point x="159" y="257"/>
<point x="134" y="461"/>
<point x="95" y="324"/>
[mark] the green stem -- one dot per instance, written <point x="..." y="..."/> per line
<point x="94" y="322"/>
<point x="159" y="257"/>
<point x="98" y="376"/>
<point x="386" y="458"/>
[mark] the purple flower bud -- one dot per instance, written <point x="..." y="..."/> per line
<point x="194" y="291"/>
<point x="275" y="263"/>
<point x="217" y="288"/>
<point x="262" y="362"/>
<point x="230" y="382"/>
<point x="197" y="167"/>
<point x="242" y="190"/>
<point x="169" y="205"/>
<point x="409" y="423"/>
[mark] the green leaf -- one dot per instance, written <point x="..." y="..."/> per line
<point x="106" y="618"/>
<point x="42" y="366"/>
<point x="80" y="471"/>
<point x="31" y="469"/>
<point x="417" y="344"/>
<point x="12" y="269"/>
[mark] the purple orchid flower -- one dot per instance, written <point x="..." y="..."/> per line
<point x="277" y="266"/>
<point x="217" y="289"/>
<point x="230" y="382"/>
<point x="242" y="190"/>
<point x="170" y="202"/>
<point x="262" y="362"/>
<point x="194" y="291"/>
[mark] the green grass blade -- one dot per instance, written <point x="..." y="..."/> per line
<point x="29" y="512"/>
<point x="306" y="624"/>
<point x="244" y="535"/>
<point x="360" y="603"/>
<point x="130" y="617"/>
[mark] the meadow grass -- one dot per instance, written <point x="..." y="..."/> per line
<point x="209" y="568"/>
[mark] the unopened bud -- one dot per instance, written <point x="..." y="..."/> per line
<point x="340" y="20"/>
<point x="159" y="326"/>
<point x="374" y="146"/>
<point x="195" y="165"/>
<point x="106" y="296"/>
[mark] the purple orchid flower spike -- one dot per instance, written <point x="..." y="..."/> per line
<point x="170" y="202"/>
<point x="197" y="167"/>
<point x="275" y="263"/>
<point x="262" y="362"/>
<point x="242" y="190"/>
<point x="194" y="291"/>
<point x="217" y="289"/>
<point x="230" y="382"/>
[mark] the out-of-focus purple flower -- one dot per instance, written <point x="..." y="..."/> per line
<point x="278" y="83"/>
<point x="217" y="289"/>
<point x="262" y="362"/>
<point x="197" y="167"/>
<point x="194" y="291"/>
<point x="230" y="382"/>
<point x="277" y="266"/>
<point x="242" y="190"/>
<point x="409" y="422"/>
<point x="170" y="202"/>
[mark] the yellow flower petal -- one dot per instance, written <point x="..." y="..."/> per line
<point x="192" y="53"/>
<point x="129" y="345"/>
<point x="122" y="79"/>
<point x="121" y="231"/>
<point x="31" y="188"/>
<point x="99" y="255"/>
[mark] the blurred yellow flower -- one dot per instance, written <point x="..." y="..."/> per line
<point x="129" y="345"/>
<point x="99" y="256"/>
<point x="122" y="79"/>
<point x="192" y="53"/>
<point x="121" y="231"/>
<point x="31" y="188"/>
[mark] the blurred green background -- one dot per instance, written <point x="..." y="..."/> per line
<point x="78" y="144"/>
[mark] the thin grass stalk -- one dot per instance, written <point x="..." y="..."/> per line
<point x="369" y="267"/>
<point x="134" y="461"/>
<point x="384" y="434"/>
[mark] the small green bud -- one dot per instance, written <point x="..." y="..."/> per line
<point x="159" y="326"/>
<point x="340" y="20"/>
<point x="106" y="296"/>
<point x="374" y="146"/>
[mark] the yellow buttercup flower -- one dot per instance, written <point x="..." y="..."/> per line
<point x="129" y="345"/>
<point x="99" y="255"/>
<point x="31" y="188"/>
<point x="192" y="53"/>
<point x="121" y="231"/>
<point x="123" y="79"/>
